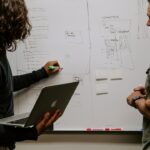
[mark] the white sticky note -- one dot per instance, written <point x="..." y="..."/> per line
<point x="101" y="74"/>
<point x="116" y="74"/>
<point x="101" y="88"/>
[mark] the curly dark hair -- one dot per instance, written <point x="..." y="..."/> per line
<point x="14" y="24"/>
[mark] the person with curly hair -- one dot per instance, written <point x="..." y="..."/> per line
<point x="140" y="100"/>
<point x="14" y="27"/>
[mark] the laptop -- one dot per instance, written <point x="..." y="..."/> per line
<point x="50" y="99"/>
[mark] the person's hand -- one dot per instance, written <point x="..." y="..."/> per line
<point x="141" y="89"/>
<point x="52" y="63"/>
<point x="47" y="120"/>
<point x="135" y="95"/>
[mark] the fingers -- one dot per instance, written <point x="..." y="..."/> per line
<point x="53" y="118"/>
<point x="133" y="96"/>
<point x="138" y="93"/>
<point x="129" y="100"/>
<point x="54" y="64"/>
<point x="140" y="89"/>
<point x="47" y="120"/>
<point x="41" y="125"/>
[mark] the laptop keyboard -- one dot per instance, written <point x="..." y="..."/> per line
<point x="20" y="121"/>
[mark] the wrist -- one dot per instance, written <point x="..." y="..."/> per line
<point x="135" y="99"/>
<point x="45" y="72"/>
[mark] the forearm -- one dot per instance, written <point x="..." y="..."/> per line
<point x="11" y="134"/>
<point x="23" y="81"/>
<point x="143" y="107"/>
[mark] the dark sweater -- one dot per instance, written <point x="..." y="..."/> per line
<point x="9" y="84"/>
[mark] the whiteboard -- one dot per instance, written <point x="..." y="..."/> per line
<point x="104" y="44"/>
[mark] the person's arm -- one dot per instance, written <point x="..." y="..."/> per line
<point x="47" y="120"/>
<point x="24" y="81"/>
<point x="141" y="89"/>
<point x="143" y="105"/>
<point x="11" y="134"/>
<point x="138" y="100"/>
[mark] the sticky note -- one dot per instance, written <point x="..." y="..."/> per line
<point x="101" y="74"/>
<point x="101" y="88"/>
<point x="116" y="74"/>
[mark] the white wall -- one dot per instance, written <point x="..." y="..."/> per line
<point x="84" y="142"/>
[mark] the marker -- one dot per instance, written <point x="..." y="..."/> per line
<point x="113" y="129"/>
<point x="107" y="129"/>
<point x="88" y="129"/>
<point x="52" y="67"/>
<point x="116" y="129"/>
<point x="104" y="129"/>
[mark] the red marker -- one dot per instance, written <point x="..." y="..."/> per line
<point x="107" y="129"/>
<point x="88" y="129"/>
<point x="104" y="129"/>
<point x="116" y="129"/>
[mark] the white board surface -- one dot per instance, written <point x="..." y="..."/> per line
<point x="104" y="44"/>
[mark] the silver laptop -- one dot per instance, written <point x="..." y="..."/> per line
<point x="51" y="98"/>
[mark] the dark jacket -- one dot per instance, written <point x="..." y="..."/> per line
<point x="9" y="84"/>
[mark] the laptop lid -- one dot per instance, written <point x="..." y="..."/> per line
<point x="50" y="99"/>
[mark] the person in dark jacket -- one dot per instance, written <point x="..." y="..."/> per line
<point x="14" y="27"/>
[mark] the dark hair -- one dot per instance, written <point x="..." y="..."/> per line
<point x="148" y="1"/>
<point x="14" y="24"/>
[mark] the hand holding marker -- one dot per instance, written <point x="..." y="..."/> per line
<point x="54" y="68"/>
<point x="51" y="67"/>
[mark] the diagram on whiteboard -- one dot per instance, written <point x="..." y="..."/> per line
<point x="115" y="40"/>
<point x="53" y="38"/>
